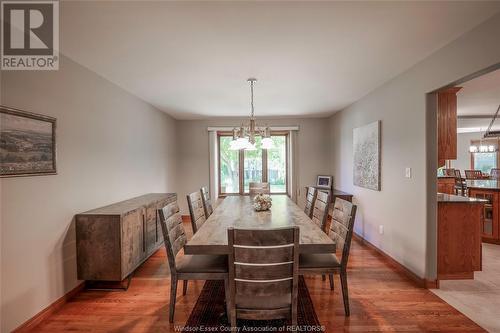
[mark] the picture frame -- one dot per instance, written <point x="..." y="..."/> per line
<point x="27" y="143"/>
<point x="367" y="156"/>
<point x="324" y="181"/>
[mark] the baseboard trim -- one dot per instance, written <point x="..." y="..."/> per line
<point x="420" y="282"/>
<point x="432" y="284"/>
<point x="48" y="311"/>
<point x="457" y="276"/>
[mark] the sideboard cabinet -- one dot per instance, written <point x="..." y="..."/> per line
<point x="112" y="241"/>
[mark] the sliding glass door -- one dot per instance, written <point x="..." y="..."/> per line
<point x="238" y="168"/>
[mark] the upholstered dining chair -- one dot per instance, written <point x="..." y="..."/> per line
<point x="320" y="209"/>
<point x="495" y="174"/>
<point x="196" y="210"/>
<point x="340" y="231"/>
<point x="207" y="203"/>
<point x="186" y="267"/>
<point x="256" y="188"/>
<point x="263" y="274"/>
<point x="310" y="198"/>
<point x="473" y="174"/>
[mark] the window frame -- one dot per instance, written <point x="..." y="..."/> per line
<point x="241" y="164"/>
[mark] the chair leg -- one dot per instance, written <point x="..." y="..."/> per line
<point x="184" y="287"/>
<point x="323" y="277"/>
<point x="345" y="292"/>
<point x="330" y="276"/>
<point x="228" y="300"/>
<point x="173" y="294"/>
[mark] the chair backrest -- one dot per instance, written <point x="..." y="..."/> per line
<point x="263" y="265"/>
<point x="495" y="173"/>
<point x="473" y="174"/>
<point x="196" y="210"/>
<point x="207" y="203"/>
<point x="173" y="232"/>
<point x="459" y="184"/>
<point x="310" y="198"/>
<point x="320" y="209"/>
<point x="256" y="188"/>
<point x="449" y="172"/>
<point x="341" y="229"/>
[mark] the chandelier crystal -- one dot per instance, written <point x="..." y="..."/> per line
<point x="244" y="136"/>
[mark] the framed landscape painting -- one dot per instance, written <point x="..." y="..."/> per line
<point x="366" y="160"/>
<point x="27" y="143"/>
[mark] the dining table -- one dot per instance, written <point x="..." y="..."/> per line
<point x="238" y="212"/>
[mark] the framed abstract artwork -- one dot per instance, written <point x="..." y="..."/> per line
<point x="366" y="160"/>
<point x="27" y="143"/>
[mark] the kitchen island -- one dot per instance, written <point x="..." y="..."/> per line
<point x="488" y="190"/>
<point x="459" y="236"/>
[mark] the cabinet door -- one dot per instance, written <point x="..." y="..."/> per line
<point x="151" y="228"/>
<point x="490" y="215"/>
<point x="133" y="249"/>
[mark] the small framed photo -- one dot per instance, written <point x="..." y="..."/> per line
<point x="27" y="143"/>
<point x="325" y="182"/>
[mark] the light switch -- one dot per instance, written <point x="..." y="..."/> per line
<point x="408" y="173"/>
<point x="381" y="229"/>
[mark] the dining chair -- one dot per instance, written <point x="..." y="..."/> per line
<point x="341" y="229"/>
<point x="207" y="203"/>
<point x="256" y="188"/>
<point x="495" y="174"/>
<point x="460" y="184"/>
<point x="263" y="273"/>
<point x="473" y="174"/>
<point x="449" y="172"/>
<point x="310" y="198"/>
<point x="186" y="267"/>
<point x="320" y="209"/>
<point x="196" y="210"/>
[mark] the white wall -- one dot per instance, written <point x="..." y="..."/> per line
<point x="193" y="154"/>
<point x="401" y="106"/>
<point x="463" y="156"/>
<point x="110" y="146"/>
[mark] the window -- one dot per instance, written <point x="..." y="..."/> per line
<point x="237" y="169"/>
<point x="277" y="165"/>
<point x="485" y="161"/>
<point x="228" y="167"/>
<point x="252" y="168"/>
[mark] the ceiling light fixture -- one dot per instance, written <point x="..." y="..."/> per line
<point x="244" y="136"/>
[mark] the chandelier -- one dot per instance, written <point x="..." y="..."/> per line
<point x="244" y="136"/>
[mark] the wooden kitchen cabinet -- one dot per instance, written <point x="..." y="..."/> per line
<point x="491" y="216"/>
<point x="447" y="125"/>
<point x="446" y="185"/>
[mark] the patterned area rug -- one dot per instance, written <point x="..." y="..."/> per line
<point x="208" y="314"/>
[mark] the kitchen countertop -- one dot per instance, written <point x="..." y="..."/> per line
<point x="487" y="184"/>
<point x="450" y="198"/>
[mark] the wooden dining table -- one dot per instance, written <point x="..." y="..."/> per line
<point x="238" y="212"/>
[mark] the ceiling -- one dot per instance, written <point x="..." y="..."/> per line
<point x="477" y="102"/>
<point x="192" y="59"/>
<point x="480" y="96"/>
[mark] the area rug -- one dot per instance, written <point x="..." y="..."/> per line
<point x="208" y="314"/>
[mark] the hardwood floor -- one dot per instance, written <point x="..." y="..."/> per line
<point x="381" y="298"/>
